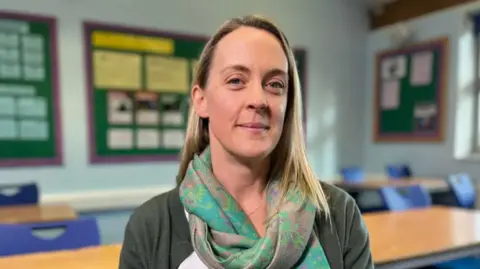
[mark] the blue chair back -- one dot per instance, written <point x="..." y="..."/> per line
<point x="395" y="171"/>
<point x="463" y="190"/>
<point x="405" y="197"/>
<point x="23" y="194"/>
<point x="20" y="238"/>
<point x="352" y="174"/>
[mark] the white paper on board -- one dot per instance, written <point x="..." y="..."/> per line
<point x="172" y="118"/>
<point x="425" y="110"/>
<point x="14" y="26"/>
<point x="32" y="106"/>
<point x="32" y="42"/>
<point x="8" y="129"/>
<point x="120" y="108"/>
<point x="390" y="95"/>
<point x="34" y="130"/>
<point x="8" y="39"/>
<point x="120" y="138"/>
<point x="147" y="117"/>
<point x="173" y="139"/>
<point x="34" y="72"/>
<point x="33" y="58"/>
<point x="422" y="64"/>
<point x="394" y="67"/>
<point x="7" y="106"/>
<point x="10" y="56"/>
<point x="10" y="70"/>
<point x="146" y="108"/>
<point x="17" y="90"/>
<point x="148" y="139"/>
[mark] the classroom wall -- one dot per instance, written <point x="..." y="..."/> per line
<point x="431" y="159"/>
<point x="333" y="32"/>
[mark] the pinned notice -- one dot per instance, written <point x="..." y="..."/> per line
<point x="148" y="139"/>
<point x="146" y="105"/>
<point x="120" y="139"/>
<point x="120" y="108"/>
<point x="117" y="70"/>
<point x="167" y="74"/>
<point x="425" y="116"/>
<point x="394" y="67"/>
<point x="7" y="106"/>
<point x="34" y="130"/>
<point x="422" y="68"/>
<point x="8" y="129"/>
<point x="173" y="139"/>
<point x="390" y="94"/>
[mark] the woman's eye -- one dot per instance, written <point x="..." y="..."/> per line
<point x="235" y="81"/>
<point x="276" y="84"/>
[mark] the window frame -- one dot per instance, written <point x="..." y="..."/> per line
<point x="476" y="96"/>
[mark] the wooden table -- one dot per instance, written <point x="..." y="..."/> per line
<point x="399" y="240"/>
<point x="104" y="257"/>
<point x="432" y="184"/>
<point x="36" y="213"/>
<point x="423" y="237"/>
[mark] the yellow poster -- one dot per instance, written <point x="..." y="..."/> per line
<point x="132" y="42"/>
<point x="167" y="74"/>
<point x="117" y="70"/>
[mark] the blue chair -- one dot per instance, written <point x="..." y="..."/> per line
<point x="352" y="174"/>
<point x="405" y="198"/>
<point x="19" y="238"/>
<point x="396" y="171"/>
<point x="463" y="190"/>
<point x="23" y="194"/>
<point x="465" y="263"/>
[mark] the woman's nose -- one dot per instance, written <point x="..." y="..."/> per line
<point x="257" y="99"/>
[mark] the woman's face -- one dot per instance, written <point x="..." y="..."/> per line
<point x="246" y="94"/>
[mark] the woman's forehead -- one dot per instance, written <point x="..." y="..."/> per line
<point x="252" y="48"/>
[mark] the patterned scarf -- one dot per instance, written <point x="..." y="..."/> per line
<point x="224" y="237"/>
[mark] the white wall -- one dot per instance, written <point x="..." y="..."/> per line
<point x="431" y="159"/>
<point x="333" y="31"/>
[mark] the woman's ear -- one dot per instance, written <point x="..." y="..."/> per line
<point x="199" y="101"/>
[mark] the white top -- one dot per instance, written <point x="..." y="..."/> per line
<point x="193" y="261"/>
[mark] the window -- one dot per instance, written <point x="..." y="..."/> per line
<point x="467" y="92"/>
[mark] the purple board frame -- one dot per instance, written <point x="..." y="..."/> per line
<point x="58" y="159"/>
<point x="88" y="26"/>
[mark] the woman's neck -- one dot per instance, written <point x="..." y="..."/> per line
<point x="245" y="181"/>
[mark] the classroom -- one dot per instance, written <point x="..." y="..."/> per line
<point x="112" y="80"/>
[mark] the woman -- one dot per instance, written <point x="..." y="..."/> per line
<point x="246" y="195"/>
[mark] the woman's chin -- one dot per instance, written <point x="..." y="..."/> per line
<point x="254" y="151"/>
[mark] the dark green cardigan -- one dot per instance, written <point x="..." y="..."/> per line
<point x="157" y="235"/>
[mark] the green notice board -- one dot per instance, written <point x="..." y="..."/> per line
<point x="138" y="88"/>
<point x="410" y="93"/>
<point x="29" y="120"/>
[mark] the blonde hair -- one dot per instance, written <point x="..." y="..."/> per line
<point x="289" y="157"/>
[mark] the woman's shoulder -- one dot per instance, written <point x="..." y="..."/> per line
<point x="152" y="210"/>
<point x="338" y="199"/>
<point x="351" y="231"/>
<point x="150" y="231"/>
<point x="344" y="212"/>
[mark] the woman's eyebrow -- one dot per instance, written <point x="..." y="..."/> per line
<point x="244" y="69"/>
<point x="277" y="72"/>
<point x="236" y="67"/>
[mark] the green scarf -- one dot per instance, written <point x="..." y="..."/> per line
<point x="223" y="236"/>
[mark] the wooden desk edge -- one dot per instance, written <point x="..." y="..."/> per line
<point x="434" y="257"/>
